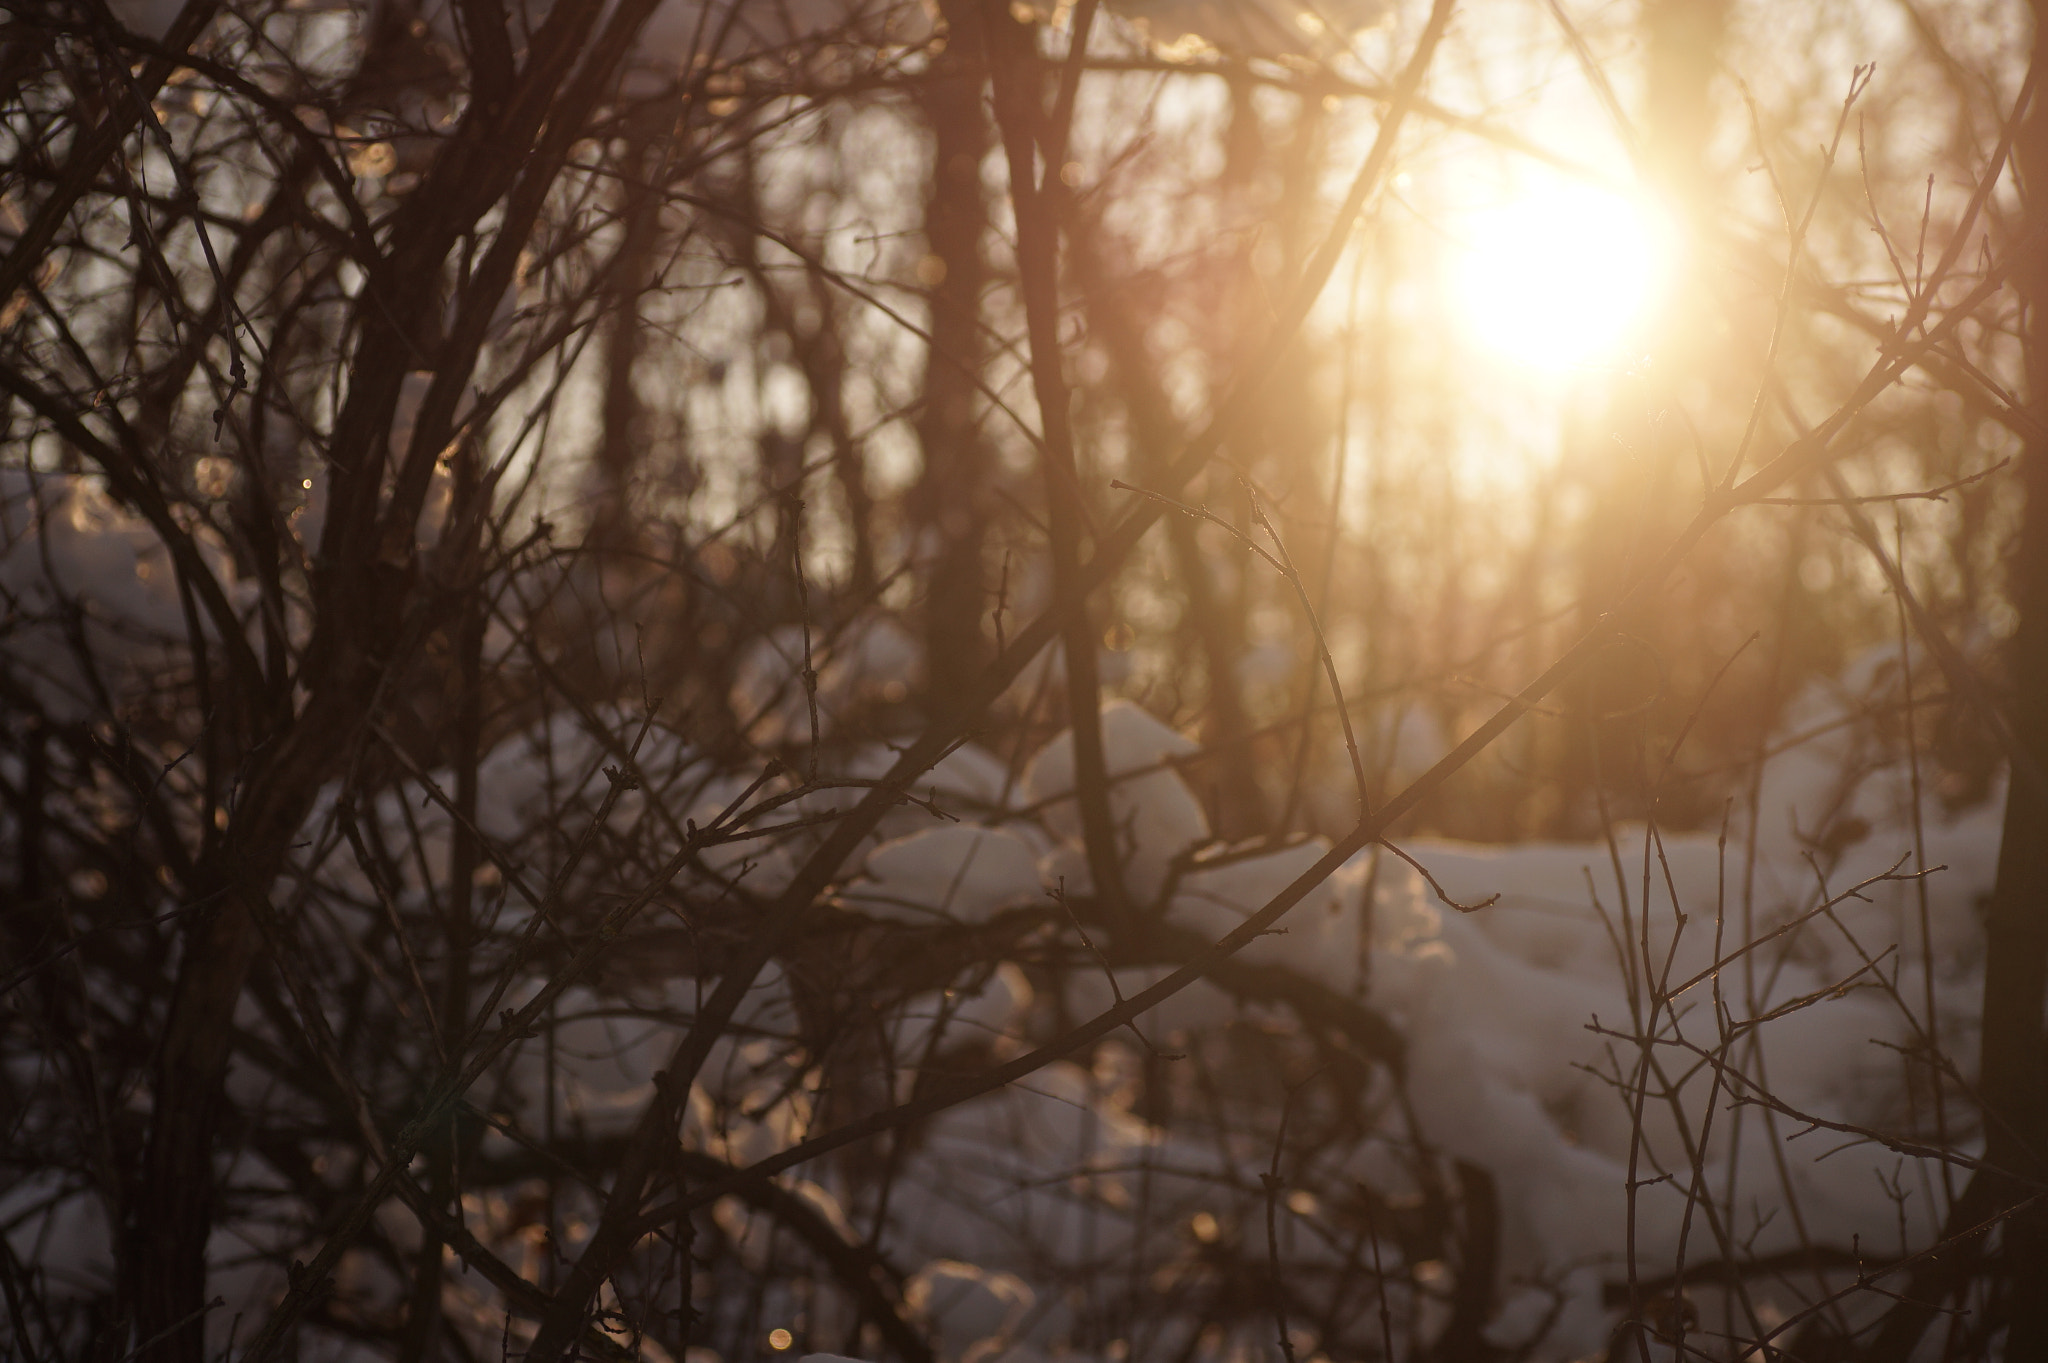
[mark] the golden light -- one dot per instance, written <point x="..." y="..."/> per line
<point x="1559" y="274"/>
<point x="780" y="1339"/>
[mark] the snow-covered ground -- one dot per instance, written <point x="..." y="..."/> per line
<point x="1140" y="1167"/>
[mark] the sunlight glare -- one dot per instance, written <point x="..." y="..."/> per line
<point x="1558" y="275"/>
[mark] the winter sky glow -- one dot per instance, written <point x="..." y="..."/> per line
<point x="1557" y="274"/>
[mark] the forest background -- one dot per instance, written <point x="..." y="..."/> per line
<point x="960" y="681"/>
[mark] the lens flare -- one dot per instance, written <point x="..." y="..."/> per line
<point x="1559" y="275"/>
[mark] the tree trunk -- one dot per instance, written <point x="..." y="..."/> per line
<point x="947" y="503"/>
<point x="2013" y="1071"/>
<point x="2012" y="1076"/>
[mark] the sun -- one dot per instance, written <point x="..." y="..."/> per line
<point x="1560" y="274"/>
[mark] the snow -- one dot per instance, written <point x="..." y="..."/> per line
<point x="968" y="783"/>
<point x="876" y="658"/>
<point x="1499" y="1007"/>
<point x="66" y="546"/>
<point x="1156" y="816"/>
<point x="1318" y="938"/>
<point x="965" y="874"/>
<point x="1518" y="1018"/>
